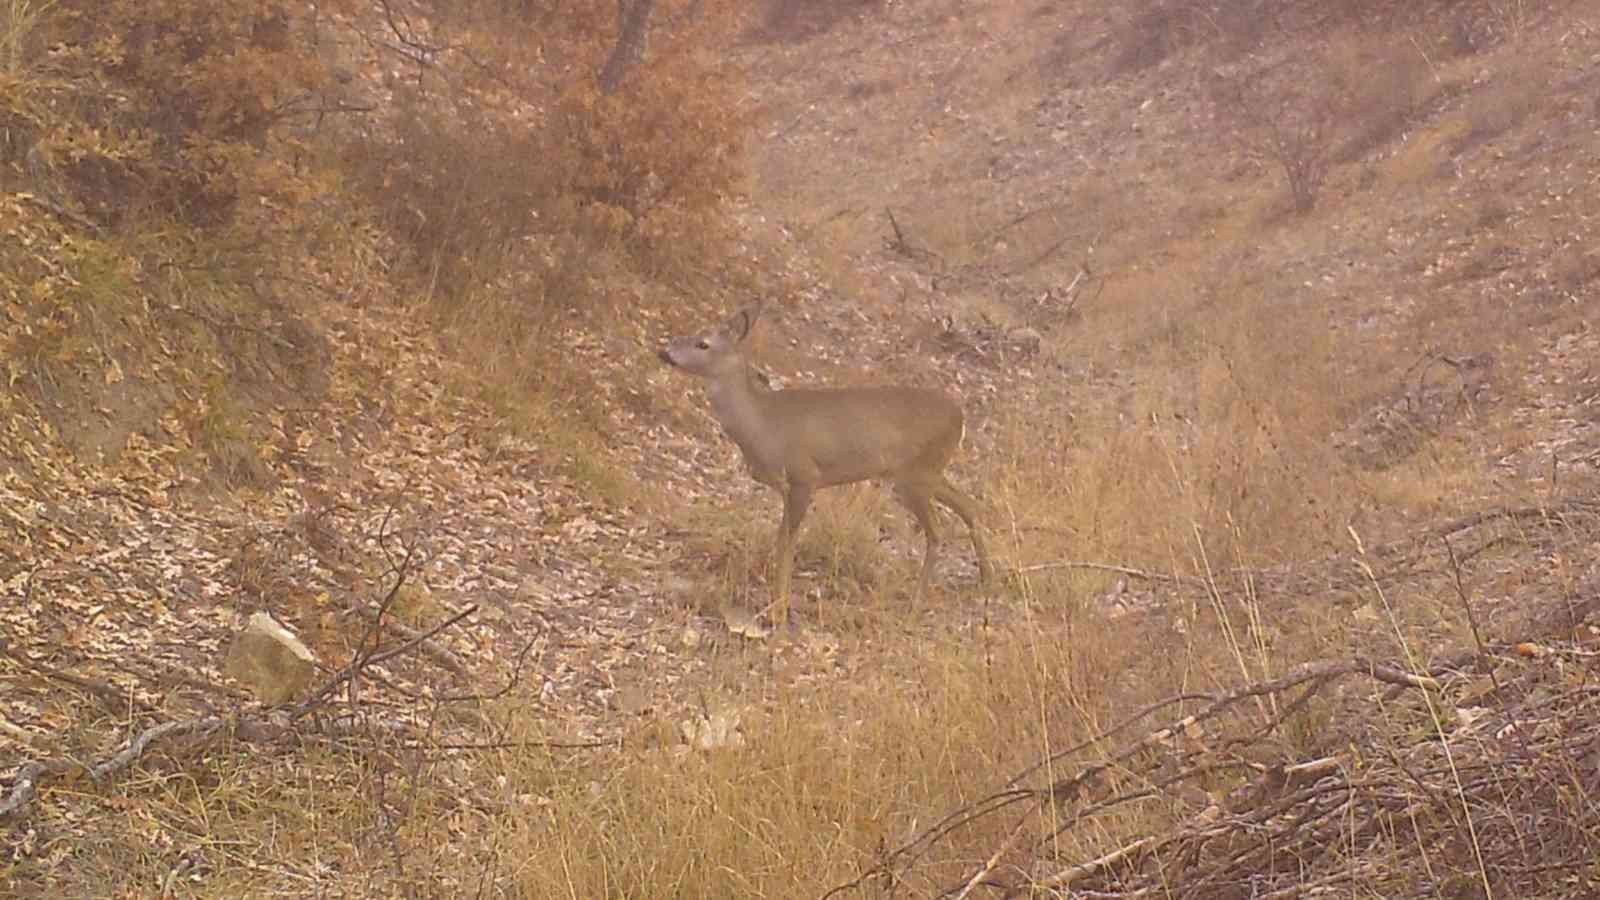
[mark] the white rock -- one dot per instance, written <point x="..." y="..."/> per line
<point x="270" y="660"/>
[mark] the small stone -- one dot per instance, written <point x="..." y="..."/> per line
<point x="270" y="660"/>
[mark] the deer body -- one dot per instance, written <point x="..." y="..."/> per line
<point x="797" y="441"/>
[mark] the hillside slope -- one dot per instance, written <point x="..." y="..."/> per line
<point x="1275" y="335"/>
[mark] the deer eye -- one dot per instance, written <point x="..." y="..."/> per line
<point x="703" y="344"/>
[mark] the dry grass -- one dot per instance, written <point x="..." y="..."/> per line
<point x="828" y="778"/>
<point x="1215" y="464"/>
<point x="843" y="541"/>
<point x="1204" y="488"/>
<point x="795" y="20"/>
<point x="830" y="774"/>
<point x="1513" y="94"/>
<point x="1225" y="427"/>
<point x="19" y="33"/>
<point x="856" y="558"/>
<point x="831" y="778"/>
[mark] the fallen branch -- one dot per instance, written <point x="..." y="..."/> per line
<point x="1083" y="870"/>
<point x="109" y="694"/>
<point x="615" y="743"/>
<point x="359" y="664"/>
<point x="899" y="244"/>
<point x="27" y="783"/>
<point x="1106" y="567"/>
<point x="1271" y="781"/>
<point x="994" y="859"/>
<point x="441" y="655"/>
<point x="1322" y="671"/>
<point x="33" y="774"/>
<point x="1556" y="513"/>
<point x="902" y="245"/>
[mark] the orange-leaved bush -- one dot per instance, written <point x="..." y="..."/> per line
<point x="190" y="108"/>
<point x="500" y="140"/>
<point x="664" y="148"/>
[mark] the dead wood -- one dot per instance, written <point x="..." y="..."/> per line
<point x="1470" y="790"/>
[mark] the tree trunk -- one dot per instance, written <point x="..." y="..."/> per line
<point x="633" y="22"/>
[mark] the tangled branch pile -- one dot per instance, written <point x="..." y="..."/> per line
<point x="1471" y="775"/>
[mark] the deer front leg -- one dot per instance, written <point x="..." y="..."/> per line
<point x="796" y="498"/>
<point x="915" y="497"/>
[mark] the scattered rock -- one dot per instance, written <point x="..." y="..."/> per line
<point x="745" y="624"/>
<point x="716" y="730"/>
<point x="270" y="660"/>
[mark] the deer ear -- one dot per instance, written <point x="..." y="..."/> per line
<point x="745" y="319"/>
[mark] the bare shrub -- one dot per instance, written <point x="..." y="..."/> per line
<point x="1511" y="96"/>
<point x="1512" y="18"/>
<point x="1242" y="24"/>
<point x="800" y="20"/>
<point x="1150" y="36"/>
<point x="1165" y="27"/>
<point x="1298" y="141"/>
<point x="444" y="196"/>
<point x="1356" y="95"/>
<point x="1154" y="30"/>
<point x="1385" y="91"/>
<point x="1466" y="33"/>
<point x="1291" y="124"/>
<point x="19" y="33"/>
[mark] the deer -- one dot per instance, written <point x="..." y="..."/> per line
<point x="800" y="440"/>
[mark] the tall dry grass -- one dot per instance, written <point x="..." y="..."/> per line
<point x="832" y="774"/>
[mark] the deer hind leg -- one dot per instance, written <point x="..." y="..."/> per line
<point x="963" y="506"/>
<point x="916" y="498"/>
<point x="796" y="499"/>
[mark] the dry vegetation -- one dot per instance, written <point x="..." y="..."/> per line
<point x="1274" y="323"/>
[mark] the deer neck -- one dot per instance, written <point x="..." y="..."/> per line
<point x="737" y="401"/>
<point x="741" y="405"/>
